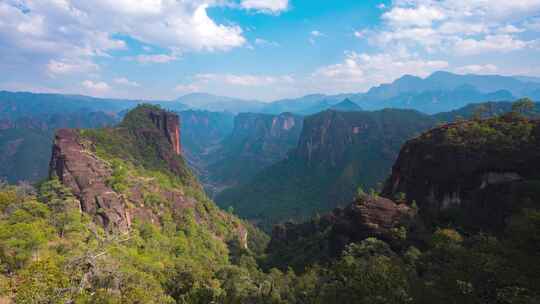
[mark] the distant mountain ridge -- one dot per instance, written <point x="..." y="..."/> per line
<point x="439" y="92"/>
<point x="209" y="102"/>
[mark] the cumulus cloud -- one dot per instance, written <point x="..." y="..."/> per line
<point x="267" y="6"/>
<point x="421" y="15"/>
<point x="491" y="43"/>
<point x="467" y="27"/>
<point x="63" y="36"/>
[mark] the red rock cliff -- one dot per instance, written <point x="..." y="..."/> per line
<point x="170" y="124"/>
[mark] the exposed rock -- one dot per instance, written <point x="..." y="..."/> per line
<point x="257" y="141"/>
<point x="101" y="167"/>
<point x="79" y="168"/>
<point x="453" y="168"/>
<point x="86" y="176"/>
<point x="170" y="124"/>
<point x="336" y="153"/>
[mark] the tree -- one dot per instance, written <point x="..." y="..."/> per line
<point x="523" y="106"/>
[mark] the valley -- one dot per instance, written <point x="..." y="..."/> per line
<point x="306" y="204"/>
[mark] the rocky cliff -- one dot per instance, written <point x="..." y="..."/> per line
<point x="257" y="141"/>
<point x="135" y="172"/>
<point x="170" y="125"/>
<point x="336" y="153"/>
<point x="471" y="172"/>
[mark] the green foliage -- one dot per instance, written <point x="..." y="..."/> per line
<point x="118" y="178"/>
<point x="42" y="282"/>
<point x="501" y="133"/>
<point x="523" y="105"/>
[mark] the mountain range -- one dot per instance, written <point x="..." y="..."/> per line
<point x="122" y="219"/>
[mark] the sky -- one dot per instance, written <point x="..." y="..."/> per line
<point x="257" y="49"/>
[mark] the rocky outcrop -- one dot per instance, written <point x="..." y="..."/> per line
<point x="331" y="138"/>
<point x="476" y="169"/>
<point x="169" y="123"/>
<point x="76" y="164"/>
<point x="86" y="176"/>
<point x="134" y="173"/>
<point x="371" y="216"/>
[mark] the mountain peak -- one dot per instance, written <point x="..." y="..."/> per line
<point x="346" y="105"/>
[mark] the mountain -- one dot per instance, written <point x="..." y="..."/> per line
<point x="209" y="102"/>
<point x="257" y="141"/>
<point x="447" y="81"/>
<point x="337" y="152"/>
<point x="121" y="219"/>
<point x="472" y="173"/>
<point x="346" y="106"/>
<point x="489" y="109"/>
<point x="527" y="78"/>
<point x="468" y="217"/>
<point x="28" y="122"/>
<point x="202" y="135"/>
<point x="432" y="102"/>
<point x="300" y="105"/>
<point x="439" y="92"/>
<point x="323" y="238"/>
<point x="25" y="141"/>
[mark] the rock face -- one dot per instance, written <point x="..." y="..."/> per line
<point x="78" y="167"/>
<point x="86" y="176"/>
<point x="135" y="173"/>
<point x="367" y="217"/>
<point x="257" y="141"/>
<point x="170" y="124"/>
<point x="477" y="169"/>
<point x="336" y="153"/>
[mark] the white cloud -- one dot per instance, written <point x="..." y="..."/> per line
<point x="495" y="43"/>
<point x="360" y="71"/>
<point x="316" y="34"/>
<point x="421" y="15"/>
<point x="264" y="42"/>
<point x="96" y="87"/>
<point x="62" y="67"/>
<point x="242" y="80"/>
<point x="52" y="36"/>
<point x="313" y="35"/>
<point x="155" y="58"/>
<point x="126" y="82"/>
<point x="267" y="6"/>
<point x="381" y="6"/>
<point x="469" y="27"/>
<point x="477" y="69"/>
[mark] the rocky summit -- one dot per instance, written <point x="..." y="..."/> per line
<point x="116" y="173"/>
<point x="481" y="169"/>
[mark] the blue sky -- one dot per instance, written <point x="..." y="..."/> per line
<point x="257" y="49"/>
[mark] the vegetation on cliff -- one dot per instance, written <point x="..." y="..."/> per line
<point x="337" y="152"/>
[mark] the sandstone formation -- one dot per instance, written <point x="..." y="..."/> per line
<point x="454" y="168"/>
